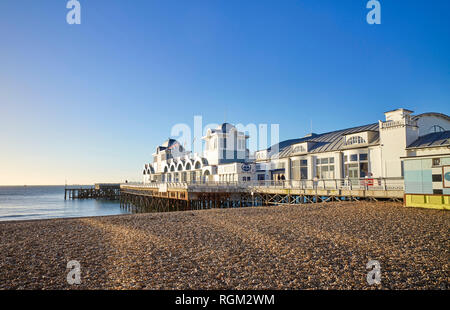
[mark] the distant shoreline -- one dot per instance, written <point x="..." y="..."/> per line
<point x="58" y="218"/>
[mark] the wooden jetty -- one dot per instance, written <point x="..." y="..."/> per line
<point x="164" y="197"/>
<point x="98" y="191"/>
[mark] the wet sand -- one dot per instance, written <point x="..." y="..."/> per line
<point x="322" y="246"/>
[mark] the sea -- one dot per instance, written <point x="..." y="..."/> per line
<point x="46" y="202"/>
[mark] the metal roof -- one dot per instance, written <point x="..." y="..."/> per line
<point x="432" y="140"/>
<point x="327" y="142"/>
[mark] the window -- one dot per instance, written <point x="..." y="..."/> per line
<point x="436" y="128"/>
<point x="304" y="169"/>
<point x="295" y="170"/>
<point x="436" y="161"/>
<point x="299" y="169"/>
<point x="363" y="170"/>
<point x="325" y="168"/>
<point x="351" y="171"/>
<point x="354" y="170"/>
<point x="299" y="149"/>
<point x="355" y="140"/>
<point x="436" y="178"/>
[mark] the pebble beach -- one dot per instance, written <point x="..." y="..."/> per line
<point x="314" y="246"/>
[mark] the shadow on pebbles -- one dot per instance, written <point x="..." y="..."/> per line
<point x="320" y="246"/>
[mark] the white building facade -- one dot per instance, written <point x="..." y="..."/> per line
<point x="225" y="158"/>
<point x="369" y="151"/>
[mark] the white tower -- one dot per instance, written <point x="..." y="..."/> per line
<point x="396" y="133"/>
<point x="225" y="144"/>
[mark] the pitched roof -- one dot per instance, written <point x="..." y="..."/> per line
<point x="432" y="140"/>
<point x="169" y="143"/>
<point x="327" y="142"/>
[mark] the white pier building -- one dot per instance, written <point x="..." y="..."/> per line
<point x="374" y="150"/>
<point x="225" y="158"/>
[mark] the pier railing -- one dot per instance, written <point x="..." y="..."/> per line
<point x="375" y="184"/>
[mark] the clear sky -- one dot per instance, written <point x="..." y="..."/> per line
<point x="90" y="102"/>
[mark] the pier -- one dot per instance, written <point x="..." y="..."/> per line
<point x="98" y="191"/>
<point x="181" y="196"/>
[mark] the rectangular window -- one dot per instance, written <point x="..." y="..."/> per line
<point x="363" y="170"/>
<point x="436" y="178"/>
<point x="304" y="173"/>
<point x="325" y="169"/>
<point x="436" y="161"/>
<point x="303" y="169"/>
<point x="295" y="170"/>
<point x="354" y="157"/>
<point x="362" y="157"/>
<point x="351" y="171"/>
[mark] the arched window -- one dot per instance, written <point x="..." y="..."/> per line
<point x="198" y="165"/>
<point x="188" y="166"/>
<point x="355" y="140"/>
<point x="436" y="128"/>
<point x="299" y="149"/>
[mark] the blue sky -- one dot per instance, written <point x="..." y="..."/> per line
<point x="90" y="102"/>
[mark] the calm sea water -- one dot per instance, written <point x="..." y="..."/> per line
<point x="45" y="202"/>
